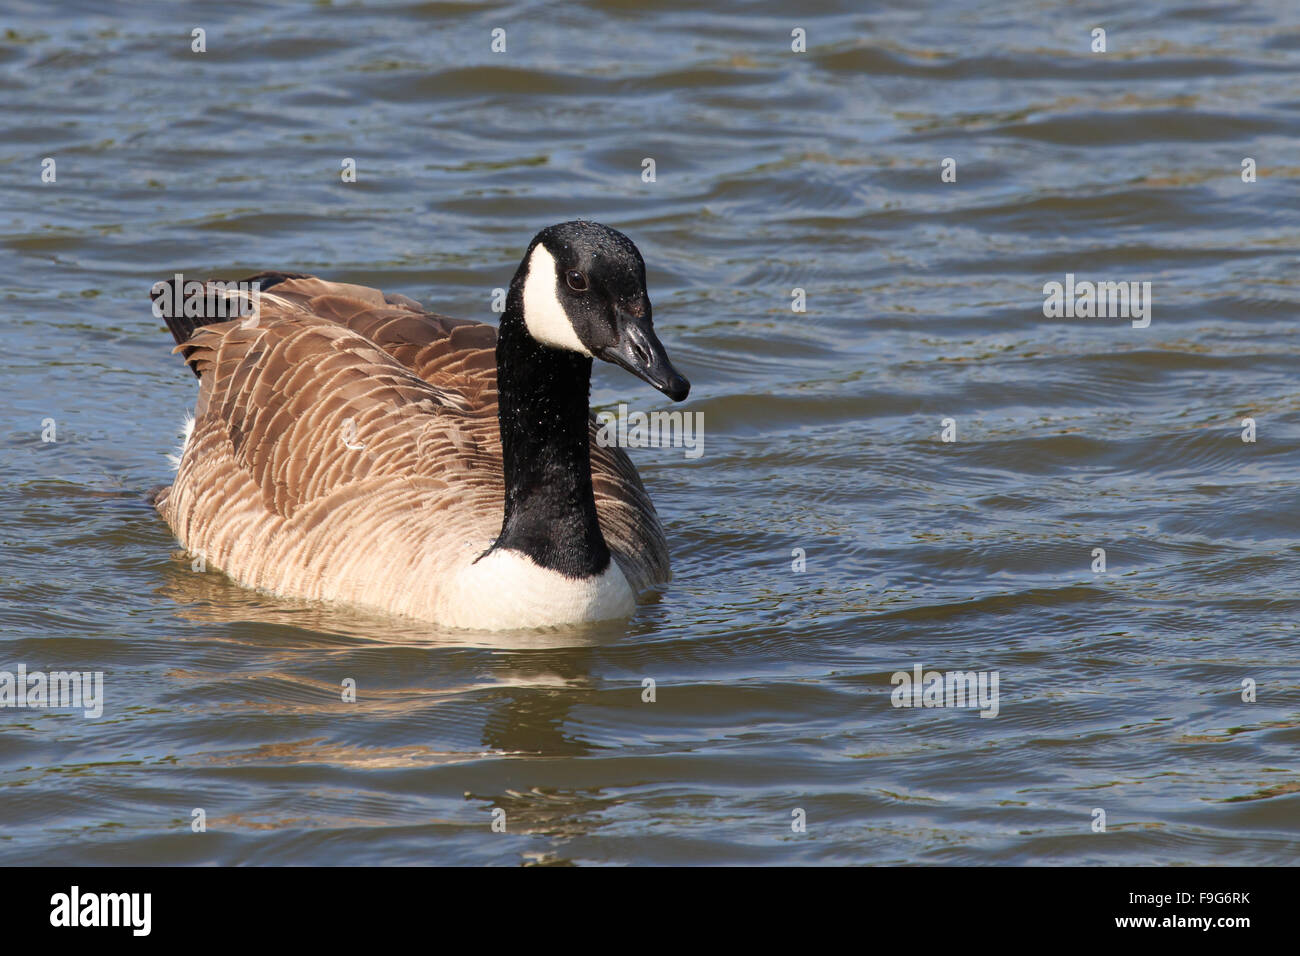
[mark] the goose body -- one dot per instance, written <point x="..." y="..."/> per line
<point x="351" y="447"/>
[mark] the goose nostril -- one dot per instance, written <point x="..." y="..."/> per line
<point x="641" y="354"/>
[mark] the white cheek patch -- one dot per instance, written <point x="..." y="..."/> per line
<point x="544" y="314"/>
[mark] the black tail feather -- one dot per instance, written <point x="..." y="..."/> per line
<point x="183" y="326"/>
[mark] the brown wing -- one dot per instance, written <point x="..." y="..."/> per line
<point x="437" y="348"/>
<point x="462" y="354"/>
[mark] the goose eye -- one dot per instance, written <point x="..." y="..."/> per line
<point x="577" y="281"/>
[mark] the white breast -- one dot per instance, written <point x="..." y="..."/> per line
<point x="507" y="590"/>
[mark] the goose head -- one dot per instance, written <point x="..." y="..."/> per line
<point x="583" y="291"/>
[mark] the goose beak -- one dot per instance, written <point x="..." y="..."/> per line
<point x="639" y="351"/>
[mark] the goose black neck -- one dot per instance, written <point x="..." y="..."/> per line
<point x="542" y="396"/>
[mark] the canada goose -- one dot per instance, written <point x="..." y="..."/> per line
<point x="348" y="446"/>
